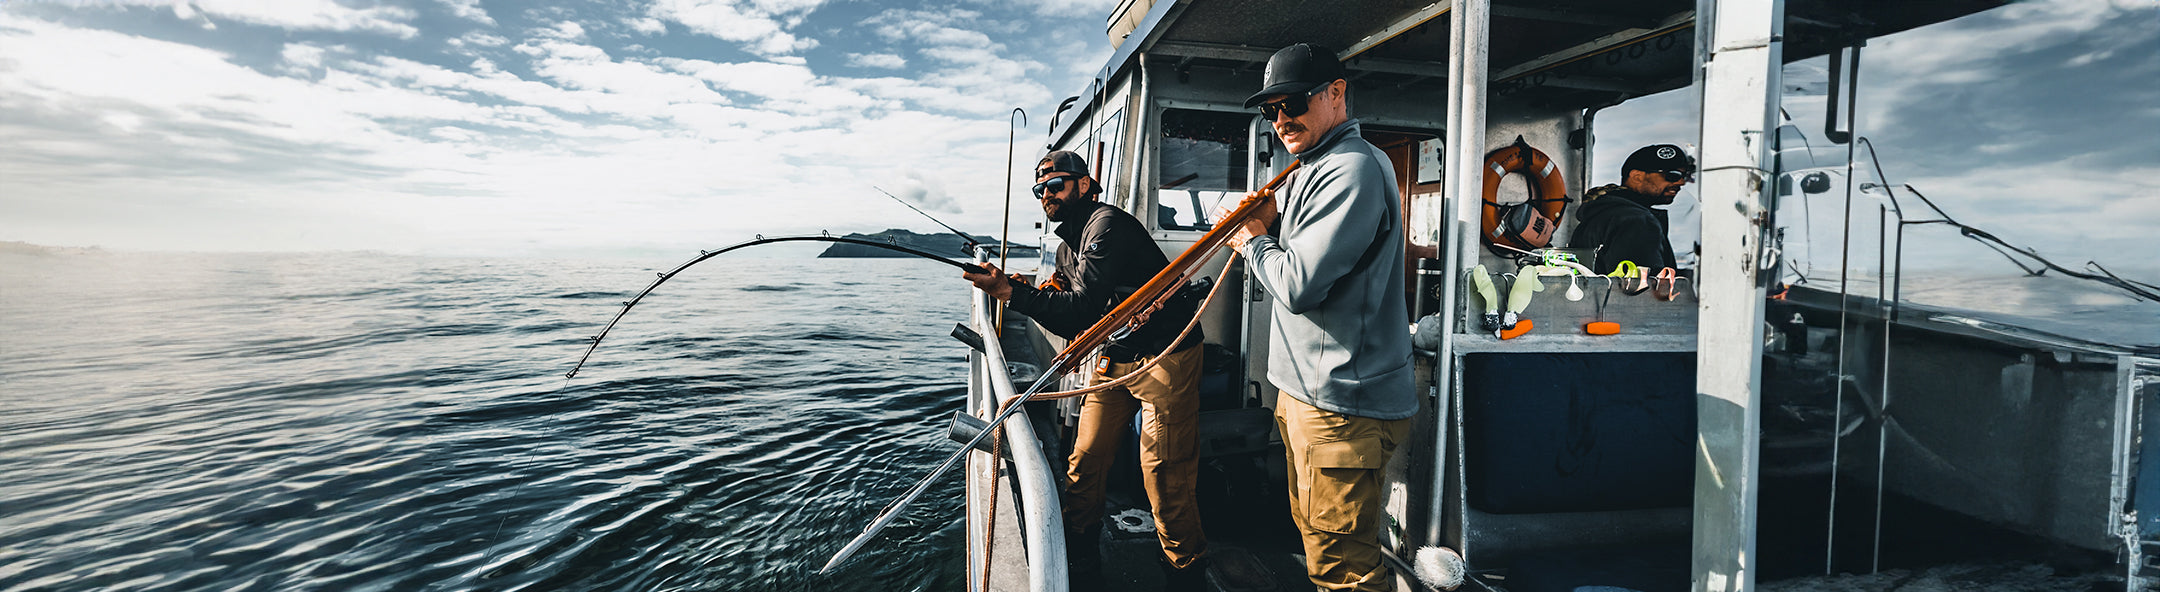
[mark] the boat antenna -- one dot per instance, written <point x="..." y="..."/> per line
<point x="971" y="242"/>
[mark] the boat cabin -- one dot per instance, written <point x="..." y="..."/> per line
<point x="1552" y="457"/>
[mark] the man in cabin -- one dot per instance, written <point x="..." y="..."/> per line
<point x="1106" y="255"/>
<point x="1338" y="344"/>
<point x="1618" y="220"/>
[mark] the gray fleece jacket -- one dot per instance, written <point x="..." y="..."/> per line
<point x="1340" y="337"/>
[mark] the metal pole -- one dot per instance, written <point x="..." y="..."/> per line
<point x="1469" y="26"/>
<point x="1005" y="228"/>
<point x="1837" y="401"/>
<point x="1739" y="48"/>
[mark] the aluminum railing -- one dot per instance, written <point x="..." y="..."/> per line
<point x="1041" y="522"/>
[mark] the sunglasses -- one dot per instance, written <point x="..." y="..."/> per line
<point x="1676" y="176"/>
<point x="1046" y="188"/>
<point x="1292" y="106"/>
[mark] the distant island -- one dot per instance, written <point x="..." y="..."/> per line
<point x="23" y="248"/>
<point x="944" y="245"/>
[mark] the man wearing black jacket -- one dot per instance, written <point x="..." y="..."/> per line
<point x="1106" y="255"/>
<point x="1618" y="220"/>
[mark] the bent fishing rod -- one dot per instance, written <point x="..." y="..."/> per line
<point x="760" y="240"/>
<point x="1117" y="324"/>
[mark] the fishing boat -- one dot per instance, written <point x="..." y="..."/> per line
<point x="1557" y="459"/>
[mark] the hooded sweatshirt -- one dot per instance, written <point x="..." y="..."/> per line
<point x="1339" y="336"/>
<point x="1622" y="226"/>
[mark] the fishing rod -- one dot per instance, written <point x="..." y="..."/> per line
<point x="971" y="242"/>
<point x="760" y="240"/>
<point x="1114" y="325"/>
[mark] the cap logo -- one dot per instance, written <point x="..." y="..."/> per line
<point x="1667" y="153"/>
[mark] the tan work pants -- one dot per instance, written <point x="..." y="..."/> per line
<point x="1337" y="485"/>
<point x="1169" y="450"/>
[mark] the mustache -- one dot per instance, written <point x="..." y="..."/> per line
<point x="1289" y="127"/>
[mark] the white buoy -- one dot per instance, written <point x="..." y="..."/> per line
<point x="1440" y="567"/>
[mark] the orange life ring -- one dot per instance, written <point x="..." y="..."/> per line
<point x="1548" y="197"/>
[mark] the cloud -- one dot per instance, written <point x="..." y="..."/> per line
<point x="477" y="38"/>
<point x="1097" y="9"/>
<point x="469" y="10"/>
<point x="634" y="87"/>
<point x="320" y="15"/>
<point x="760" y="25"/>
<point x="877" y="60"/>
<point x="546" y="129"/>
<point x="924" y="191"/>
<point x="301" y="57"/>
<point x="974" y="73"/>
<point x="929" y="27"/>
<point x="565" y="30"/>
<point x="646" y="25"/>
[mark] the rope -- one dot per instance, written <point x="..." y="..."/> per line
<point x="1130" y="377"/>
<point x="998" y="439"/>
<point x="997" y="454"/>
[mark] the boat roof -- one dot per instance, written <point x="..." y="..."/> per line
<point x="1562" y="54"/>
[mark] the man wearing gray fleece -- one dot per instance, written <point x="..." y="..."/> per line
<point x="1339" y="345"/>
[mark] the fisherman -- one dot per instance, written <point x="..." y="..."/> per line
<point x="1106" y="255"/>
<point x="1618" y="220"/>
<point x="1338" y="345"/>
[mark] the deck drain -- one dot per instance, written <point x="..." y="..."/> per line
<point x="1134" y="521"/>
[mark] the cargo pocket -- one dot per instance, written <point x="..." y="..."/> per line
<point x="1345" y="484"/>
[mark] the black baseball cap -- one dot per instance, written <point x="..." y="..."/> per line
<point x="1296" y="69"/>
<point x="1659" y="158"/>
<point x="1062" y="161"/>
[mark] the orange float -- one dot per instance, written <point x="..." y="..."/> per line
<point x="1528" y="224"/>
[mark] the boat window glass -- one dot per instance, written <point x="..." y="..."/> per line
<point x="1203" y="160"/>
<point x="1105" y="157"/>
<point x="1670" y="117"/>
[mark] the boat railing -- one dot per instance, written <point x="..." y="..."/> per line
<point x="1041" y="524"/>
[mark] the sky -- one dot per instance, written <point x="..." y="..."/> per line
<point x="2038" y="121"/>
<point x="654" y="127"/>
<point x="477" y="127"/>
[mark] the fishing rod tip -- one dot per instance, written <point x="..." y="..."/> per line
<point x="829" y="565"/>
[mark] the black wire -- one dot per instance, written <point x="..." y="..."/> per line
<point x="761" y="240"/>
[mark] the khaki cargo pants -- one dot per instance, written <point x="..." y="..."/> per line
<point x="1169" y="450"/>
<point x="1337" y="466"/>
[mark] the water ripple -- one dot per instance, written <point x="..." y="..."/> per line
<point x="371" y="422"/>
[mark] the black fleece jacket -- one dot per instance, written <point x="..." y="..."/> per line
<point x="1106" y="256"/>
<point x="1621" y="224"/>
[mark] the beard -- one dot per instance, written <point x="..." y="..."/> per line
<point x="1054" y="209"/>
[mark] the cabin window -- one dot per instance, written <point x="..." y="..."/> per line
<point x="1105" y="154"/>
<point x="1204" y="155"/>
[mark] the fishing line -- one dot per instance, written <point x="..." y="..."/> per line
<point x="760" y="240"/>
<point x="2137" y="289"/>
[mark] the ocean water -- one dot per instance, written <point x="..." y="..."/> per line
<point x="378" y="422"/>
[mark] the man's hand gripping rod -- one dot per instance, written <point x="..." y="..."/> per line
<point x="1151" y="294"/>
